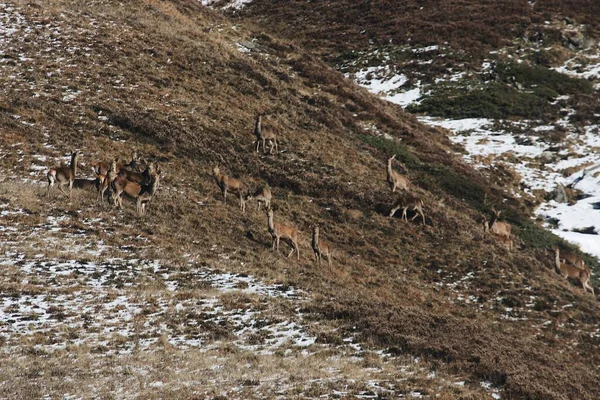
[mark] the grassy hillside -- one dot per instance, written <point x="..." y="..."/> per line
<point x="174" y="80"/>
<point x="472" y="29"/>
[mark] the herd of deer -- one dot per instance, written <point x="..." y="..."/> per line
<point x="262" y="194"/>
<point x="139" y="181"/>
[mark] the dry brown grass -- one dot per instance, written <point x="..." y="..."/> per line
<point x="184" y="96"/>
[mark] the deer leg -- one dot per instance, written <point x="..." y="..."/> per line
<point x="393" y="211"/>
<point x="60" y="187"/>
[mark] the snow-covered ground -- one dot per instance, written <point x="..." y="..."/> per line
<point x="539" y="168"/>
<point x="389" y="85"/>
<point x="227" y="4"/>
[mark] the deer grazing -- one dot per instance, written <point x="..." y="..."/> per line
<point x="287" y="233"/>
<point x="63" y="175"/>
<point x="264" y="133"/>
<point x="394" y="179"/>
<point x="261" y="195"/>
<point x="406" y="202"/>
<point x="141" y="192"/>
<point x="85" y="184"/>
<point x="571" y="271"/>
<point x="321" y="247"/>
<point x="226" y="183"/>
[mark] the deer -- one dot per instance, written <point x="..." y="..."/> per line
<point x="102" y="167"/>
<point x="138" y="177"/>
<point x="321" y="247"/>
<point x="505" y="241"/>
<point x="571" y="258"/>
<point x="264" y="133"/>
<point x="406" y="202"/>
<point x="287" y="233"/>
<point x="145" y="197"/>
<point x="571" y="271"/>
<point x="498" y="228"/>
<point x="394" y="179"/>
<point x="85" y="184"/>
<point x="142" y="193"/>
<point x="227" y="183"/>
<point x="262" y="195"/>
<point x="63" y="175"/>
<point x="105" y="180"/>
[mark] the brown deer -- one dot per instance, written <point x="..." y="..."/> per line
<point x="505" y="241"/>
<point x="63" y="175"/>
<point x="142" y="193"/>
<point x="105" y="180"/>
<point x="227" y="183"/>
<point x="394" y="179"/>
<point x="498" y="228"/>
<point x="85" y="184"/>
<point x="321" y="247"/>
<point x="264" y="133"/>
<point x="261" y="195"/>
<point x="406" y="202"/>
<point x="287" y="233"/>
<point x="138" y="177"/>
<point x="571" y="271"/>
<point x="571" y="258"/>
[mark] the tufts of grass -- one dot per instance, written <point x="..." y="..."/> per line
<point x="520" y="90"/>
<point x="495" y="100"/>
<point x="391" y="147"/>
<point x="542" y="81"/>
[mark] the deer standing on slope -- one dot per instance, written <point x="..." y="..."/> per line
<point x="498" y="228"/>
<point x="264" y="133"/>
<point x="227" y="183"/>
<point x="63" y="175"/>
<point x="409" y="201"/>
<point x="261" y="195"/>
<point x="321" y="247"/>
<point x="394" y="179"/>
<point x="287" y="233"/>
<point x="571" y="271"/>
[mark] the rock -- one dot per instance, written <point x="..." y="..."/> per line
<point x="547" y="157"/>
<point x="560" y="194"/>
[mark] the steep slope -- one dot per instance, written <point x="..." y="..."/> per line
<point x="526" y="71"/>
<point x="471" y="28"/>
<point x="182" y="85"/>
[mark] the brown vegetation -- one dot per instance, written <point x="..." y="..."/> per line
<point x="167" y="78"/>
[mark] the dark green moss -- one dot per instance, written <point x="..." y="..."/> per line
<point x="391" y="147"/>
<point x="495" y="100"/>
